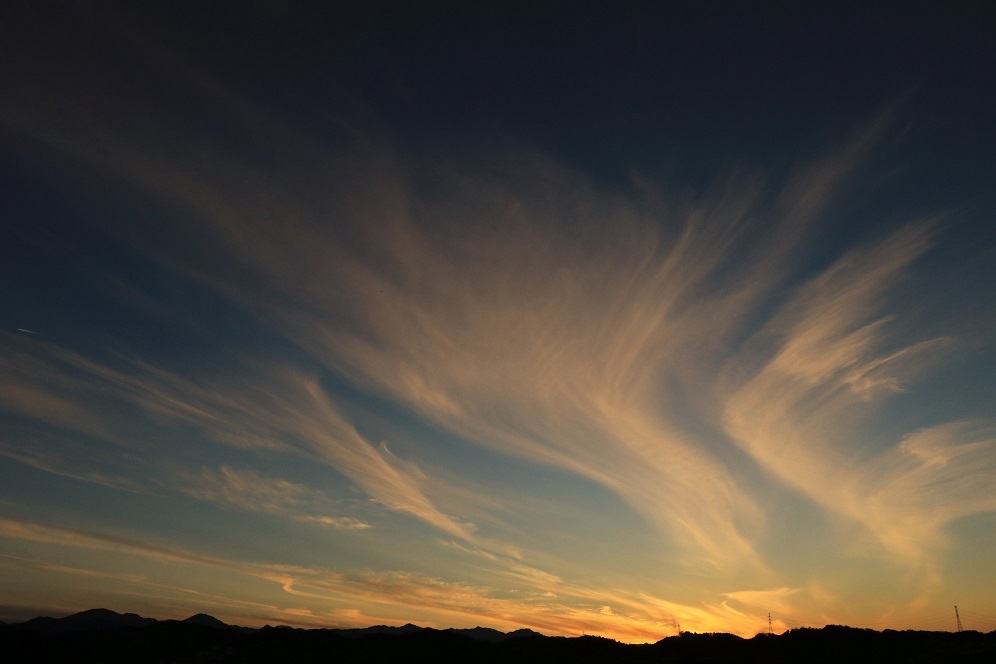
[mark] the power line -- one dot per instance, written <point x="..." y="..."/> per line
<point x="975" y="615"/>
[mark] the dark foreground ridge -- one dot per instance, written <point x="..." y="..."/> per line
<point x="100" y="635"/>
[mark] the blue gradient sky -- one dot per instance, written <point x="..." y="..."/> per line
<point x="582" y="321"/>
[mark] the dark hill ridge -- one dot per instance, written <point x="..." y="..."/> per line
<point x="486" y="634"/>
<point x="383" y="630"/>
<point x="87" y="621"/>
<point x="208" y="621"/>
<point x="101" y="635"/>
<point x="105" y="619"/>
<point x="493" y="635"/>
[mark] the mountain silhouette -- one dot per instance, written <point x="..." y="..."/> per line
<point x="207" y="621"/>
<point x="87" y="621"/>
<point x="490" y="635"/>
<point x="383" y="630"/>
<point x="101" y="635"/>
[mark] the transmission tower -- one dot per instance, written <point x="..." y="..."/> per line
<point x="957" y="618"/>
<point x="769" y="624"/>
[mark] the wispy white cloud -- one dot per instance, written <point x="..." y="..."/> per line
<point x="272" y="408"/>
<point x="512" y="303"/>
<point x="804" y="414"/>
<point x="526" y="311"/>
<point x="933" y="477"/>
<point x="568" y="326"/>
<point x="247" y="489"/>
<point x="39" y="454"/>
<point x="341" y="522"/>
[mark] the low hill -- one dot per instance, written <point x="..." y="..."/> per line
<point x="105" y="636"/>
<point x="86" y="621"/>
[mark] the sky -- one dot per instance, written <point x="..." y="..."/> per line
<point x="616" y="319"/>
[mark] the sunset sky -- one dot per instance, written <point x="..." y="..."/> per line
<point x="583" y="320"/>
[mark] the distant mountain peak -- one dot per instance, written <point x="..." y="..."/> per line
<point x="523" y="632"/>
<point x="96" y="613"/>
<point x="89" y="620"/>
<point x="492" y="635"/>
<point x="206" y="620"/>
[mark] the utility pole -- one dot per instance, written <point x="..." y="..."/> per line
<point x="957" y="618"/>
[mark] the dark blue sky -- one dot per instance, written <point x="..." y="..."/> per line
<point x="613" y="87"/>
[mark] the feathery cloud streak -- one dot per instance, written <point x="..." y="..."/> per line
<point x="283" y="411"/>
<point x="522" y="309"/>
<point x="804" y="414"/>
